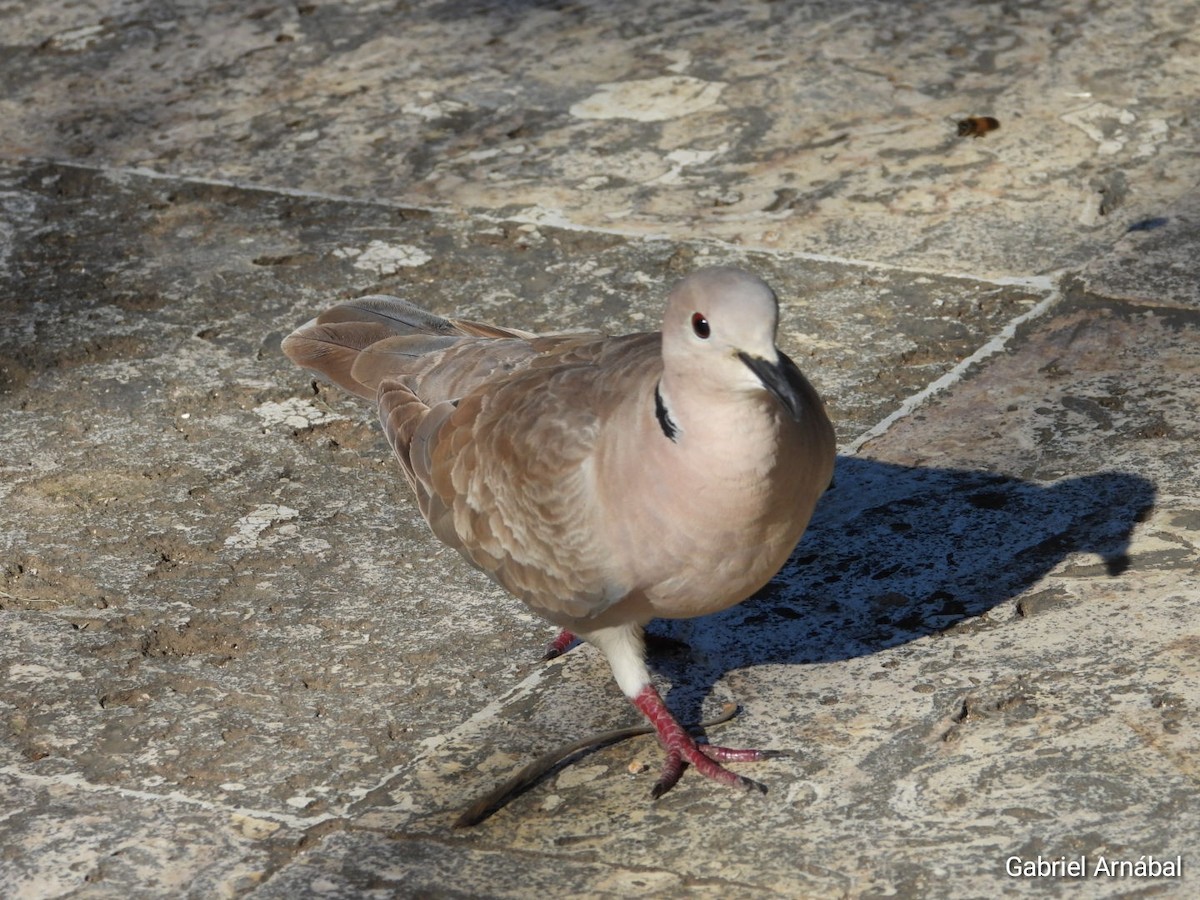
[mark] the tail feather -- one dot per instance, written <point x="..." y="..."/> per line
<point x="396" y="315"/>
<point x="361" y="343"/>
<point x="396" y="356"/>
<point x="331" y="350"/>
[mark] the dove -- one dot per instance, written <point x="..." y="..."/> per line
<point x="604" y="481"/>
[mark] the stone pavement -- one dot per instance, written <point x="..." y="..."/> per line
<point x="233" y="662"/>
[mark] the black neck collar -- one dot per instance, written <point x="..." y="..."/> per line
<point x="665" y="422"/>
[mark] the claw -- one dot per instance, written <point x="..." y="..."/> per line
<point x="682" y="749"/>
<point x="729" y="754"/>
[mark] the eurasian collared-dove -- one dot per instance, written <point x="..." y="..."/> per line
<point x="604" y="481"/>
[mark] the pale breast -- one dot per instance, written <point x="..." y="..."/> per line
<point x="703" y="530"/>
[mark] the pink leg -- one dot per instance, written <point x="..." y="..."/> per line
<point x="681" y="749"/>
<point x="559" y="645"/>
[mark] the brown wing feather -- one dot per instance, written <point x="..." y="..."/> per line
<point x="505" y="475"/>
<point x="496" y="430"/>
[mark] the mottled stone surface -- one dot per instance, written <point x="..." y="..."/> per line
<point x="233" y="661"/>
<point x="820" y="127"/>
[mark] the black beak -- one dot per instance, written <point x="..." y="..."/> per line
<point x="782" y="379"/>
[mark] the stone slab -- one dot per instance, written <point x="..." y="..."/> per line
<point x="1154" y="262"/>
<point x="67" y="838"/>
<point x="807" y="127"/>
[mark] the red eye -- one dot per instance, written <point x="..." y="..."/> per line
<point x="700" y="326"/>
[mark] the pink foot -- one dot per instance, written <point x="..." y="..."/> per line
<point x="682" y="749"/>
<point x="559" y="645"/>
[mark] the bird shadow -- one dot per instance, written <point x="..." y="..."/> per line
<point x="895" y="553"/>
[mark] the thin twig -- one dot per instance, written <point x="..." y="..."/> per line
<point x="530" y="774"/>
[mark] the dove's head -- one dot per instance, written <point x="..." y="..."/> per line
<point x="719" y="331"/>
